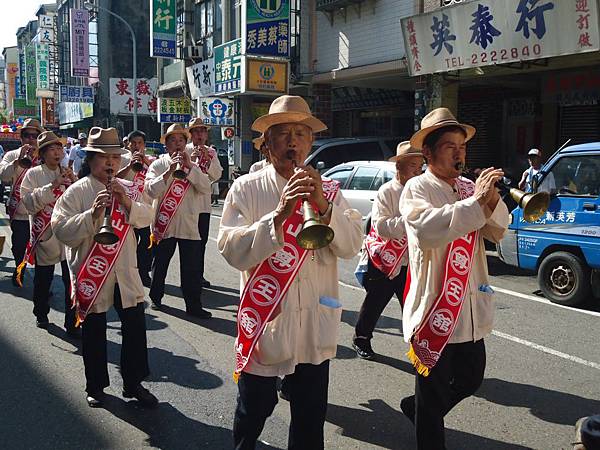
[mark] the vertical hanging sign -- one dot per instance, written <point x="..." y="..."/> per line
<point x="30" y="75"/>
<point x="266" y="28"/>
<point x="80" y="41"/>
<point x="42" y="57"/>
<point x="163" y="28"/>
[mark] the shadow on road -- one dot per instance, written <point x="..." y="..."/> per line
<point x="377" y="423"/>
<point x="497" y="268"/>
<point x="550" y="406"/>
<point x="222" y="326"/>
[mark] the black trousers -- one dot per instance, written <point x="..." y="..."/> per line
<point x="203" y="229"/>
<point x="456" y="376"/>
<point x="144" y="254"/>
<point x="42" y="280"/>
<point x="19" y="239"/>
<point x="380" y="290"/>
<point x="257" y="397"/>
<point x="134" y="350"/>
<point x="189" y="268"/>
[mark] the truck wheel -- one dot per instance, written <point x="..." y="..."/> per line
<point x="565" y="279"/>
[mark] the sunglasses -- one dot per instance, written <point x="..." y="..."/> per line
<point x="30" y="135"/>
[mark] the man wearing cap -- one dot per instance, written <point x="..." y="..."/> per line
<point x="534" y="157"/>
<point x="41" y="187"/>
<point x="259" y="144"/>
<point x="289" y="311"/>
<point x="206" y="158"/>
<point x="13" y="167"/>
<point x="77" y="153"/>
<point x="385" y="248"/>
<point x="448" y="309"/>
<point x="105" y="275"/>
<point x="177" y="204"/>
<point x="134" y="166"/>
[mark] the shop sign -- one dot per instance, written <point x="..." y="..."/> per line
<point x="76" y="94"/>
<point x="163" y="28"/>
<point x="227" y="133"/>
<point x="22" y="80"/>
<point x="45" y="21"/>
<point x="216" y="111"/>
<point x="266" y="76"/>
<point x="42" y="58"/>
<point x="80" y="41"/>
<point x="22" y="109"/>
<point x="228" y="67"/>
<point x="48" y="111"/>
<point x="267" y="27"/>
<point x="572" y="88"/>
<point x="174" y="110"/>
<point x="31" y="74"/>
<point x="121" y="96"/>
<point x="490" y="32"/>
<point x="201" y="78"/>
<point x="69" y="112"/>
<point x="12" y="72"/>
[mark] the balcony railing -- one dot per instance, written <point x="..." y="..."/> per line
<point x="331" y="7"/>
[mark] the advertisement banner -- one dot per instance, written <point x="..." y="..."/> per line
<point x="174" y="110"/>
<point x="22" y="81"/>
<point x="30" y="74"/>
<point x="74" y="112"/>
<point x="266" y="24"/>
<point x="201" y="78"/>
<point x="163" y="28"/>
<point x="121" y="96"/>
<point x="475" y="34"/>
<point x="228" y="65"/>
<point x="12" y="72"/>
<point x="266" y="76"/>
<point x="42" y="60"/>
<point x="217" y="111"/>
<point x="48" y="112"/>
<point x="22" y="109"/>
<point x="80" y="41"/>
<point x="76" y="94"/>
<point x="46" y="35"/>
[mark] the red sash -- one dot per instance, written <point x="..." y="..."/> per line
<point x="15" y="196"/>
<point x="269" y="284"/>
<point x="384" y="254"/>
<point x="430" y="339"/>
<point x="206" y="160"/>
<point x="101" y="258"/>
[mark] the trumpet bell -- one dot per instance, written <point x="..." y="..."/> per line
<point x="180" y="174"/>
<point x="106" y="234"/>
<point x="534" y="205"/>
<point x="137" y="167"/>
<point x="25" y="163"/>
<point x="314" y="234"/>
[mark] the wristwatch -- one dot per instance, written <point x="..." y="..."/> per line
<point x="328" y="210"/>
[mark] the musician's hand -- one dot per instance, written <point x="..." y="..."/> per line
<point x="26" y="150"/>
<point x="485" y="189"/>
<point x="187" y="162"/>
<point x="119" y="193"/>
<point x="137" y="157"/>
<point x="70" y="174"/>
<point x="62" y="179"/>
<point x="176" y="159"/>
<point x="100" y="203"/>
<point x="317" y="196"/>
<point x="299" y="186"/>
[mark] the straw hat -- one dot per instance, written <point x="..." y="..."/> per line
<point x="47" y="138"/>
<point x="436" y="119"/>
<point x="175" y="129"/>
<point x="196" y="122"/>
<point x="404" y="150"/>
<point x="104" y="140"/>
<point x="259" y="141"/>
<point x="288" y="109"/>
<point x="32" y="124"/>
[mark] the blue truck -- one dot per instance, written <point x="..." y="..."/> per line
<point x="564" y="245"/>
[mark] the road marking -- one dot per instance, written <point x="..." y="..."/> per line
<point x="547" y="350"/>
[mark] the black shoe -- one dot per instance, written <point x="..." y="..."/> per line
<point x="146" y="280"/>
<point x="156" y="306"/>
<point x="95" y="399"/>
<point x="363" y="348"/>
<point x="407" y="405"/>
<point x="142" y="395"/>
<point x="197" y="310"/>
<point x="42" y="322"/>
<point x="284" y="390"/>
<point x="73" y="332"/>
<point x="204" y="283"/>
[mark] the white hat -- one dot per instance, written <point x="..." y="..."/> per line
<point x="534" y="152"/>
<point x="82" y="136"/>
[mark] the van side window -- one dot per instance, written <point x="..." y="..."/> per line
<point x="575" y="176"/>
<point x="341" y="176"/>
<point x="363" y="178"/>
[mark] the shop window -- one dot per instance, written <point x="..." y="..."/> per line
<point x="575" y="176"/>
<point x="363" y="179"/>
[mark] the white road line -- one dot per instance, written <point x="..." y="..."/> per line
<point x="547" y="350"/>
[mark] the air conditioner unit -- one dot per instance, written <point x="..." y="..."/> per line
<point x="192" y="52"/>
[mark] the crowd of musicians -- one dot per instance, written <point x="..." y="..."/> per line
<point x="113" y="227"/>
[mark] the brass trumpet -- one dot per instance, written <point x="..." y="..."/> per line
<point x="106" y="234"/>
<point x="534" y="205"/>
<point x="179" y="172"/>
<point x="137" y="166"/>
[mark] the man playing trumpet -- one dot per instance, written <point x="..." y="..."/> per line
<point x="13" y="167"/>
<point x="106" y="275"/>
<point x="41" y="188"/>
<point x="449" y="307"/>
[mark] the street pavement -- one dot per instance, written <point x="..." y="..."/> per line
<point x="543" y="367"/>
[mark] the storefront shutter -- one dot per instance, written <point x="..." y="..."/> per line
<point x="580" y="124"/>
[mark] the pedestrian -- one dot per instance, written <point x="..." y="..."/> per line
<point x="289" y="311"/>
<point x="13" y="167"/>
<point x="385" y="248"/>
<point x="106" y="275"/>
<point x="449" y="306"/>
<point x="134" y="167"/>
<point x="177" y="204"/>
<point x="77" y="154"/>
<point x="206" y="158"/>
<point x="259" y="144"/>
<point x="41" y="187"/>
<point x="64" y="162"/>
<point x="534" y="156"/>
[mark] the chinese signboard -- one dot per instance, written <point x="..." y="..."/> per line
<point x="45" y="21"/>
<point x="216" y="111"/>
<point x="22" y="109"/>
<point x="174" y="110"/>
<point x="228" y="67"/>
<point x="76" y="94"/>
<point x="201" y="78"/>
<point x="46" y="35"/>
<point x="572" y="88"/>
<point x="266" y="76"/>
<point x="267" y="24"/>
<point x="69" y="112"/>
<point x="30" y="74"/>
<point x="12" y="72"/>
<point x="48" y="112"/>
<point x="22" y="81"/>
<point x="42" y="58"/>
<point x="80" y="41"/>
<point x="163" y="28"/>
<point x="489" y="32"/>
<point x="121" y="96"/>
